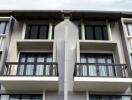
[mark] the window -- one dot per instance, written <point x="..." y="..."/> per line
<point x="79" y="30"/>
<point x="99" y="97"/>
<point x="129" y="29"/>
<point x="96" y="32"/>
<point x="34" y="69"/>
<point x="96" y="69"/>
<point x="37" y="32"/>
<point x="21" y="97"/>
<point x="3" y="27"/>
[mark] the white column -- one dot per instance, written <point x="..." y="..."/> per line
<point x="66" y="63"/>
<point x="87" y="95"/>
<point x="43" y="95"/>
<point x="109" y="30"/>
<point x="50" y="31"/>
<point x="23" y="30"/>
<point x="83" y="31"/>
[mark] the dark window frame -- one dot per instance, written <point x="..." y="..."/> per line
<point x="38" y="31"/>
<point x="94" y="33"/>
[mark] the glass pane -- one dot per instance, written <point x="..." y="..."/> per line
<point x="40" y="67"/>
<point x="37" y="98"/>
<point x="110" y="68"/>
<point x="92" y="67"/>
<point x="83" y="68"/>
<point x="98" y="33"/>
<point x="95" y="98"/>
<point x="53" y="31"/>
<point x="79" y="31"/>
<point x="129" y="29"/>
<point x="20" y="70"/>
<point x="2" y="27"/>
<point x="26" y="97"/>
<point x="89" y="35"/>
<point x="27" y="34"/>
<point x="7" y="28"/>
<point x="126" y="98"/>
<point x="48" y="67"/>
<point x="115" y="98"/>
<point x="14" y="97"/>
<point x="4" y="97"/>
<point x="43" y="32"/>
<point x="30" y="67"/>
<point x="102" y="68"/>
<point x="34" y="32"/>
<point x="105" y="98"/>
<point x="105" y="33"/>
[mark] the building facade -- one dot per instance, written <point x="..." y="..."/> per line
<point x="65" y="55"/>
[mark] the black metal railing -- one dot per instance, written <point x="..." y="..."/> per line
<point x="100" y="70"/>
<point x="31" y="69"/>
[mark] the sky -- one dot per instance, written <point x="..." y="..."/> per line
<point x="107" y="5"/>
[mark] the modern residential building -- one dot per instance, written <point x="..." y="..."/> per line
<point x="65" y="55"/>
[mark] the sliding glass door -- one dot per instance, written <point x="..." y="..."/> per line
<point x="97" y="64"/>
<point x="32" y="64"/>
<point x="110" y="97"/>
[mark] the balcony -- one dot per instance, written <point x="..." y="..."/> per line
<point x="101" y="77"/>
<point x="30" y="76"/>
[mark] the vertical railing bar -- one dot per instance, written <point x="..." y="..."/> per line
<point x="88" y="70"/>
<point x="51" y="69"/>
<point x="7" y="66"/>
<point x="10" y="68"/>
<point x="57" y="69"/>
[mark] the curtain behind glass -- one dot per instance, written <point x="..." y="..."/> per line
<point x="102" y="68"/>
<point x="30" y="67"/>
<point x="126" y="98"/>
<point x="4" y="97"/>
<point x="15" y="97"/>
<point x="40" y="67"/>
<point x="48" y="67"/>
<point x="110" y="68"/>
<point x="83" y="68"/>
<point x="20" y="69"/>
<point x="92" y="67"/>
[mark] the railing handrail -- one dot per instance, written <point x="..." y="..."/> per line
<point x="105" y="64"/>
<point x="22" y="63"/>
